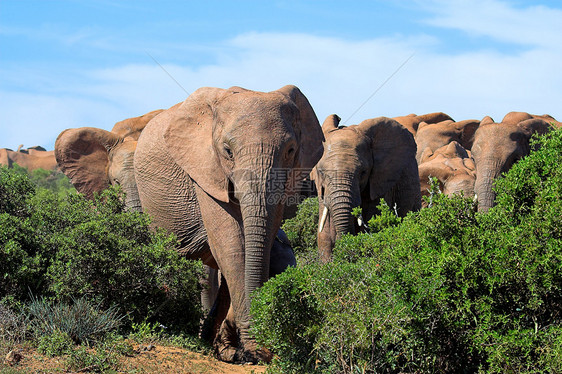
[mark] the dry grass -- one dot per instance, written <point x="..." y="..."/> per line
<point x="160" y="359"/>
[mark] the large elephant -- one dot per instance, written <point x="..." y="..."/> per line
<point x="412" y="121"/>
<point x="31" y="158"/>
<point x="362" y="164"/>
<point x="437" y="135"/>
<point x="452" y="166"/>
<point x="94" y="158"/>
<point x="213" y="170"/>
<point x="497" y="146"/>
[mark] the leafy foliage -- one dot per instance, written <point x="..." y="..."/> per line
<point x="302" y="230"/>
<point x="446" y="290"/>
<point x="67" y="246"/>
<point x="52" y="180"/>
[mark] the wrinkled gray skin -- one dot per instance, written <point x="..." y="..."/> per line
<point x="497" y="146"/>
<point x="362" y="164"/>
<point x="206" y="170"/>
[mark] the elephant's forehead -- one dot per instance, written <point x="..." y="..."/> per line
<point x="342" y="139"/>
<point x="493" y="132"/>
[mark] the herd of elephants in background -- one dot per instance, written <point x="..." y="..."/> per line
<point x="223" y="168"/>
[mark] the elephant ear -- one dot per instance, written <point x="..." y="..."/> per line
<point x="514" y="118"/>
<point x="188" y="134"/>
<point x="308" y="130"/>
<point x="83" y="156"/>
<point x="393" y="150"/>
<point x="467" y="130"/>
<point x="133" y="127"/>
<point x="331" y="123"/>
<point x="486" y="120"/>
<point x="535" y="125"/>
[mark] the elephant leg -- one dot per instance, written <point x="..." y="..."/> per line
<point x="209" y="294"/>
<point x="223" y="225"/>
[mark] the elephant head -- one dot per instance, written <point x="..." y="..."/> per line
<point x="437" y="135"/>
<point x="497" y="146"/>
<point x="362" y="164"/>
<point x="95" y="158"/>
<point x="452" y="166"/>
<point x="239" y="152"/>
<point x="517" y="117"/>
<point x="412" y="121"/>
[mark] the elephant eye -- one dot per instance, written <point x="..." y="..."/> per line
<point x="227" y="150"/>
<point x="290" y="152"/>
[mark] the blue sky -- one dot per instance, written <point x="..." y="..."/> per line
<point x="74" y="63"/>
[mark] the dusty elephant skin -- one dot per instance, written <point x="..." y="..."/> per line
<point x="206" y="170"/>
<point x="437" y="135"/>
<point x="412" y="121"/>
<point x="362" y="164"/>
<point x="452" y="166"/>
<point x="497" y="146"/>
<point x="95" y="158"/>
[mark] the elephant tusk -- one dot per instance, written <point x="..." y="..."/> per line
<point x="323" y="219"/>
<point x="360" y="221"/>
<point x="475" y="198"/>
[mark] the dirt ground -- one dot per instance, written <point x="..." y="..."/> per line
<point x="160" y="359"/>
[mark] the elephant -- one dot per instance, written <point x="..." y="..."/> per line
<point x="31" y="158"/>
<point x="213" y="170"/>
<point x="360" y="165"/>
<point x="497" y="146"/>
<point x="437" y="135"/>
<point x="516" y="117"/>
<point x="94" y="158"/>
<point x="412" y="121"/>
<point x="453" y="167"/>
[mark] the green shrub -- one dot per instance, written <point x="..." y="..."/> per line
<point x="302" y="231"/>
<point x="286" y="318"/>
<point x="52" y="180"/>
<point x="98" y="360"/>
<point x="67" y="246"/>
<point x="446" y="290"/>
<point x="57" y="343"/>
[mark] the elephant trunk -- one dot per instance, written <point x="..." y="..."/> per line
<point x="132" y="199"/>
<point x="343" y="197"/>
<point x="486" y="173"/>
<point x="261" y="217"/>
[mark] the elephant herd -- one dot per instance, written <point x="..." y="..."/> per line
<point x="221" y="169"/>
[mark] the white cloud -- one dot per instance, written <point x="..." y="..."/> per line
<point x="534" y="25"/>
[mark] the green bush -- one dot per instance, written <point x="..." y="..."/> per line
<point x="67" y="247"/>
<point x="302" y="231"/>
<point x="52" y="180"/>
<point x="446" y="290"/>
<point x="56" y="343"/>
